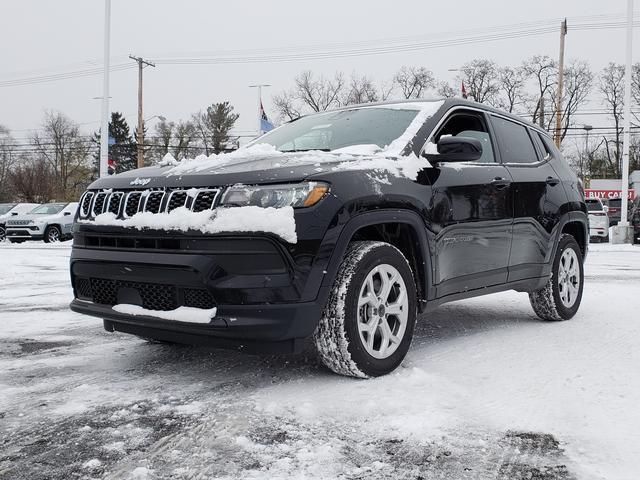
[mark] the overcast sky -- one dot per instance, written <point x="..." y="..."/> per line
<point x="44" y="37"/>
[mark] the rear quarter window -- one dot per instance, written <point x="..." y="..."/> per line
<point x="514" y="141"/>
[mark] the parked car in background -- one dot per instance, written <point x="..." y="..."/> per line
<point x="634" y="218"/>
<point x="9" y="210"/>
<point x="50" y="222"/>
<point x="339" y="226"/>
<point x="598" y="220"/>
<point x="615" y="209"/>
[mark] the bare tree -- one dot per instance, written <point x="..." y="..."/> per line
<point x="445" y="90"/>
<point x="480" y="78"/>
<point x="7" y="161"/>
<point x="183" y="136"/>
<point x="414" y="81"/>
<point x="285" y="105"/>
<point x="31" y="180"/>
<point x="512" y="83"/>
<point x="544" y="71"/>
<point x="360" y="90"/>
<point x="611" y="86"/>
<point x="66" y="152"/>
<point x="578" y="81"/>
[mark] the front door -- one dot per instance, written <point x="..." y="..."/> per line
<point x="471" y="210"/>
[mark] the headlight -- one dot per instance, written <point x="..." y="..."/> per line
<point x="276" y="196"/>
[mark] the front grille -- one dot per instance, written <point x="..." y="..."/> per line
<point x="114" y="203"/>
<point x="132" y="204"/>
<point x="126" y="203"/>
<point x="154" y="202"/>
<point x="85" y="204"/>
<point x="198" y="298"/>
<point x="204" y="200"/>
<point x="177" y="199"/>
<point x="83" y="288"/>
<point x="98" y="204"/>
<point x="154" y="296"/>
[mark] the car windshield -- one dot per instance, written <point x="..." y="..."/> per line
<point x="48" y="209"/>
<point x="5" y="207"/>
<point x="328" y="131"/>
<point x="593" y="205"/>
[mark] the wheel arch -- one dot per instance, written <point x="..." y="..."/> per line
<point x="404" y="230"/>
<point x="578" y="227"/>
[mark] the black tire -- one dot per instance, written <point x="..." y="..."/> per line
<point x="3" y="233"/>
<point x="338" y="342"/>
<point x="605" y="239"/>
<point x="52" y="234"/>
<point x="547" y="302"/>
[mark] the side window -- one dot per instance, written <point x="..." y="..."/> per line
<point x="469" y="125"/>
<point x="515" y="143"/>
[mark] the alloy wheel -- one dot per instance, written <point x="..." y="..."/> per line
<point x="568" y="277"/>
<point x="383" y="311"/>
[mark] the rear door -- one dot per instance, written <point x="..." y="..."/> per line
<point x="471" y="213"/>
<point x="537" y="193"/>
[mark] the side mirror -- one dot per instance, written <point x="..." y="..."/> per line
<point x="605" y="208"/>
<point x="456" y="149"/>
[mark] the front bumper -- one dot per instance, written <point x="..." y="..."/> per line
<point x="30" y="232"/>
<point x="261" y="289"/>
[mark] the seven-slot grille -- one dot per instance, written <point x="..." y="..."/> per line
<point x="125" y="204"/>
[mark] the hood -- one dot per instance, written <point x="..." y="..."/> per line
<point x="36" y="217"/>
<point x="210" y="172"/>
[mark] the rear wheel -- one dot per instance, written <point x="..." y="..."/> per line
<point x="367" y="324"/>
<point x="560" y="298"/>
<point x="52" y="234"/>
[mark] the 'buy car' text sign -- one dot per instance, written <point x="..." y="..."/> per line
<point x="607" y="194"/>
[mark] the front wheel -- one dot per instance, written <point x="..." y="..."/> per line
<point x="52" y="234"/>
<point x="560" y="298"/>
<point x="367" y="325"/>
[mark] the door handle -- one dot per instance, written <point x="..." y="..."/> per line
<point x="500" y="183"/>
<point x="552" y="181"/>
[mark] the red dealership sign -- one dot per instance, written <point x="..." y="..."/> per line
<point x="607" y="194"/>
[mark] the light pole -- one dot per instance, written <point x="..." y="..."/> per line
<point x="104" y="129"/>
<point x="623" y="233"/>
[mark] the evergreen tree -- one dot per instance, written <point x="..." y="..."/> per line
<point x="213" y="126"/>
<point x="123" y="151"/>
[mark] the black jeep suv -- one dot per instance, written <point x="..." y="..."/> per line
<point x="342" y="225"/>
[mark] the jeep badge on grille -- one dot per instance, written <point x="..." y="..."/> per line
<point x="140" y="181"/>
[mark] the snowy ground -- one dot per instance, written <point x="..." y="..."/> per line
<point x="487" y="391"/>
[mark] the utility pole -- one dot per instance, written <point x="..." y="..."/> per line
<point x="104" y="128"/>
<point x="563" y="33"/>
<point x="141" y="64"/>
<point x="259" y="87"/>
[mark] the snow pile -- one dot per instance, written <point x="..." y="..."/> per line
<point x="180" y="314"/>
<point x="350" y="158"/>
<point x="279" y="221"/>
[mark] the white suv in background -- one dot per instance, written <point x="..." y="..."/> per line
<point x="50" y="222"/>
<point x="598" y="220"/>
<point x="9" y="210"/>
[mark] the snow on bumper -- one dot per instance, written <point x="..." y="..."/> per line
<point x="279" y="221"/>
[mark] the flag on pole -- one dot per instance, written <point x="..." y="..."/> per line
<point x="265" y="124"/>
<point x="463" y="91"/>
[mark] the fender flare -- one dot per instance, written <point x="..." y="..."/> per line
<point x="377" y="217"/>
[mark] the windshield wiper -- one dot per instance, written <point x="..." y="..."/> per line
<point x="307" y="150"/>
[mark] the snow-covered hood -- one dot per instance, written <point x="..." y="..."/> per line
<point x="260" y="164"/>
<point x="38" y="218"/>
